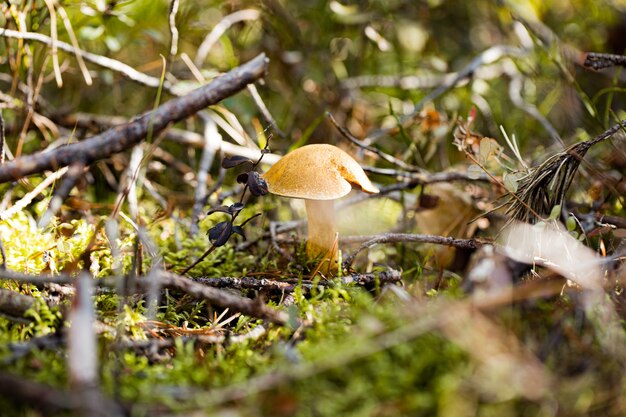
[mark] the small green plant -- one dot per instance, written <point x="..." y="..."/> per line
<point x="220" y="234"/>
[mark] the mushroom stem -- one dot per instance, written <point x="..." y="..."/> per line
<point x="322" y="232"/>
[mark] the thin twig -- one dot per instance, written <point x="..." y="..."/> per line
<point x="368" y="280"/>
<point x="128" y="184"/>
<point x="35" y="279"/>
<point x="97" y="122"/>
<point x="214" y="296"/>
<point x="31" y="99"/>
<point x="382" y="155"/>
<point x="220" y="298"/>
<point x="21" y="349"/>
<point x="369" y="241"/>
<point x="419" y="179"/>
<point x="275" y="245"/>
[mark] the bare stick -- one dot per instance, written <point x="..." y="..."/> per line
<point x="128" y="184"/>
<point x="214" y="296"/>
<point x="123" y="137"/>
<point x="185" y="137"/>
<point x="369" y="280"/>
<point x="372" y="240"/>
<point x="384" y="156"/>
<point x="19" y="350"/>
<point x="220" y="298"/>
<point x="82" y="358"/>
<point x="35" y="279"/>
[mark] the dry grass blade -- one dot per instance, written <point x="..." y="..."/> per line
<point x="545" y="186"/>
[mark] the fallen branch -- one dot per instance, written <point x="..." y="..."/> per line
<point x="214" y="296"/>
<point x="124" y="137"/>
<point x="369" y="280"/>
<point x="369" y="241"/>
<point x="419" y="319"/>
<point x="98" y="122"/>
<point x="218" y="297"/>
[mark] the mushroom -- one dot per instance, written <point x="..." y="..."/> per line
<point x="319" y="174"/>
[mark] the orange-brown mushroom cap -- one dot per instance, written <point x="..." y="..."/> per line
<point x="317" y="172"/>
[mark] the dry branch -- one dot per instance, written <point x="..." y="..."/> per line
<point x="124" y="137"/>
<point x="368" y="280"/>
<point x="369" y="241"/>
<point x="213" y="296"/>
<point x="98" y="122"/>
<point x="220" y="298"/>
